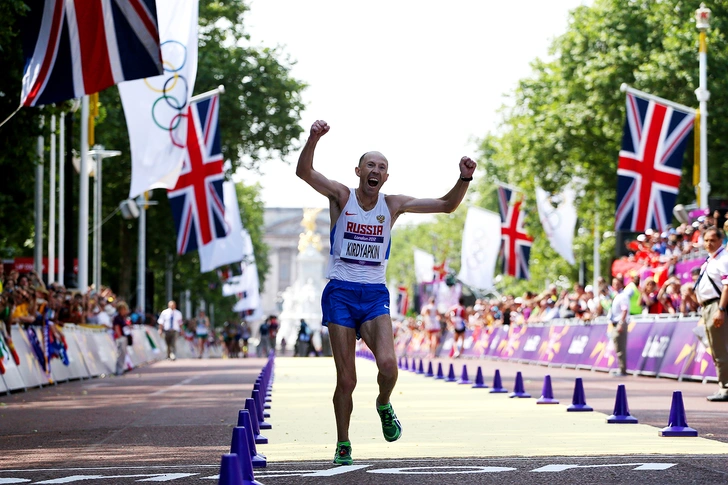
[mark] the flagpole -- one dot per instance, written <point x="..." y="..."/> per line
<point x="83" y="202"/>
<point x="626" y="88"/>
<point x="208" y="94"/>
<point x="38" y="252"/>
<point x="52" y="206"/>
<point x="597" y="265"/>
<point x="61" y="198"/>
<point x="702" y="22"/>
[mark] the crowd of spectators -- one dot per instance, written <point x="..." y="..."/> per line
<point x="652" y="255"/>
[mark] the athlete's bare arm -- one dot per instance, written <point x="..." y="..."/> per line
<point x="399" y="204"/>
<point x="337" y="193"/>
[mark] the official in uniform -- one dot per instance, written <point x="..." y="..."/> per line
<point x="711" y="289"/>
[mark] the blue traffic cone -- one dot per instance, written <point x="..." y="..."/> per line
<point x="547" y="393"/>
<point x="230" y="473"/>
<point x="259" y="460"/>
<point x="253" y="410"/>
<point x="406" y="366"/>
<point x="429" y="370"/>
<point x="239" y="446"/>
<point x="497" y="385"/>
<point x="439" y="371"/>
<point x="414" y="366"/>
<point x="464" y="376"/>
<point x="451" y="375"/>
<point x="519" y="390"/>
<point x="399" y="363"/>
<point x="677" y="424"/>
<point x="479" y="384"/>
<point x="621" y="409"/>
<point x="420" y="368"/>
<point x="578" y="402"/>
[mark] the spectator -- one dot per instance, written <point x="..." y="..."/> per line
<point x="122" y="335"/>
<point x="170" y="323"/>
<point x="273" y="331"/>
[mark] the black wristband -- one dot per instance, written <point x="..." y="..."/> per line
<point x="466" y="179"/>
<point x="721" y="308"/>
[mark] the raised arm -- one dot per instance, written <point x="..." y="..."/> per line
<point x="335" y="191"/>
<point x="399" y="204"/>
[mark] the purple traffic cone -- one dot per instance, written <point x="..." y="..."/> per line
<point x="406" y="365"/>
<point x="519" y="390"/>
<point x="677" y="424"/>
<point x="420" y="368"/>
<point x="497" y="384"/>
<point x="399" y="363"/>
<point x="258" y="388"/>
<point x="414" y="366"/>
<point x="429" y="370"/>
<point x="261" y="415"/>
<point x="547" y="393"/>
<point x="439" y="371"/>
<point x="451" y="375"/>
<point x="230" y="473"/>
<point x="621" y="409"/>
<point x="259" y="460"/>
<point x="479" y="383"/>
<point x="578" y="402"/>
<point x="253" y="410"/>
<point x="464" y="379"/>
<point x="239" y="446"/>
<point x="240" y="435"/>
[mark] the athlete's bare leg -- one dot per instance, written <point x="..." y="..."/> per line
<point x="378" y="336"/>
<point x="343" y="346"/>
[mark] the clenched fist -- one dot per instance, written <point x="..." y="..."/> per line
<point x="467" y="167"/>
<point x="319" y="129"/>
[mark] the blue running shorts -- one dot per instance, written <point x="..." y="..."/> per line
<point x="351" y="304"/>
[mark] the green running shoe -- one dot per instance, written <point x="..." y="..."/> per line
<point x="391" y="428"/>
<point x="343" y="453"/>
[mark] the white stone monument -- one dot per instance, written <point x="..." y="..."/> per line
<point x="303" y="298"/>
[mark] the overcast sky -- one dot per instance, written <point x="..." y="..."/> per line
<point x="419" y="81"/>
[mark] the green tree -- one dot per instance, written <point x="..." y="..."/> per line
<point x="18" y="156"/>
<point x="259" y="121"/>
<point x="565" y="122"/>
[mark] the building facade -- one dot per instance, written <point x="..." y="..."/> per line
<point x="282" y="233"/>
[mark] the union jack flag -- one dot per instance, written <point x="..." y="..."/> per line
<point x="650" y="164"/>
<point x="197" y="200"/>
<point x="515" y="243"/>
<point x="77" y="47"/>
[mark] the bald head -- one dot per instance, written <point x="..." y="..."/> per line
<point x="374" y="155"/>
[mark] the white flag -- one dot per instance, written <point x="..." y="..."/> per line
<point x="241" y="283"/>
<point x="481" y="244"/>
<point x="155" y="107"/>
<point x="228" y="249"/>
<point x="558" y="222"/>
<point x="424" y="266"/>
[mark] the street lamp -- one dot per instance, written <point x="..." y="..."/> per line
<point x="702" y="22"/>
<point x="98" y="153"/>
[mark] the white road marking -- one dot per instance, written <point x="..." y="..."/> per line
<point x="430" y="470"/>
<point x="156" y="477"/>
<point x="4" y="481"/>
<point x="639" y="466"/>
<point x="182" y="383"/>
<point x="339" y="470"/>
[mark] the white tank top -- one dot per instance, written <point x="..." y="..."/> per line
<point x="360" y="243"/>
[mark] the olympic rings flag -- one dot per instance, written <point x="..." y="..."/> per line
<point x="156" y="107"/>
<point x="558" y="222"/>
<point x="481" y="245"/>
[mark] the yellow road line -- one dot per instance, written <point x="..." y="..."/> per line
<point x="444" y="420"/>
